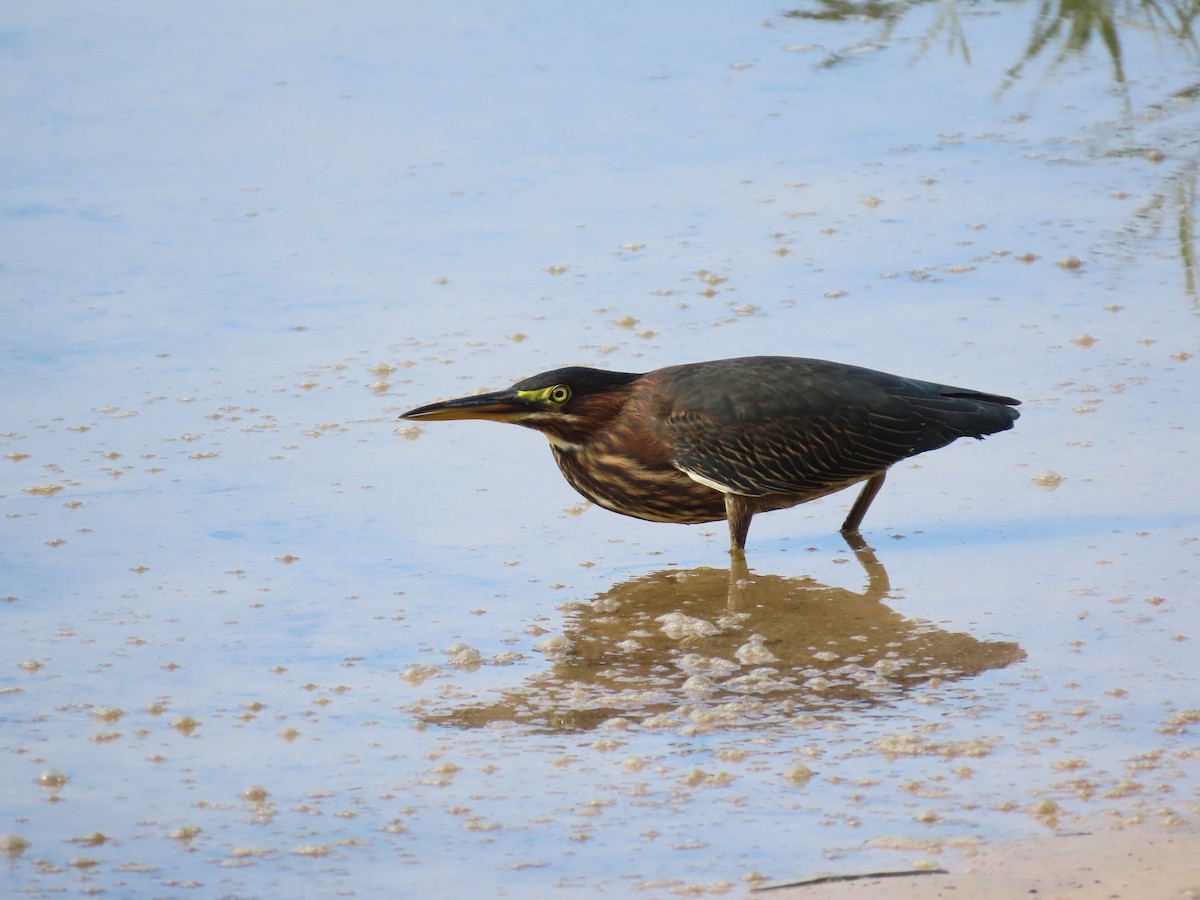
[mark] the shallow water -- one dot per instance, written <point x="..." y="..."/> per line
<point x="267" y="640"/>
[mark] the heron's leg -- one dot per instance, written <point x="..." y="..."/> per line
<point x="859" y="509"/>
<point x="739" y="511"/>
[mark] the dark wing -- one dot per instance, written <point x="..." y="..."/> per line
<point x="767" y="425"/>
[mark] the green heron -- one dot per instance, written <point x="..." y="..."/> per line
<point x="733" y="437"/>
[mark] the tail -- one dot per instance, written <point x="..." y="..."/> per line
<point x="957" y="412"/>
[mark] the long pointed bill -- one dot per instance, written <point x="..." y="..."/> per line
<point x="499" y="406"/>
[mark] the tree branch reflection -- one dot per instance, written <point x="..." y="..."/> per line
<point x="1061" y="31"/>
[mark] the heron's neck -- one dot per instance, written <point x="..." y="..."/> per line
<point x="562" y="444"/>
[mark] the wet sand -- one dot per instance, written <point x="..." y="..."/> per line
<point x="1129" y="864"/>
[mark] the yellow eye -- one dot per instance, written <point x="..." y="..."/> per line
<point x="559" y="394"/>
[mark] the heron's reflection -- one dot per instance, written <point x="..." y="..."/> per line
<point x="712" y="648"/>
